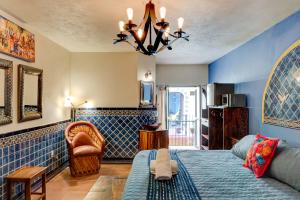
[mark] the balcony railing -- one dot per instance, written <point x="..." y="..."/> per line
<point x="182" y="133"/>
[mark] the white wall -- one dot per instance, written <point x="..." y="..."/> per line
<point x="181" y="75"/>
<point x="146" y="64"/>
<point x="54" y="60"/>
<point x="108" y="79"/>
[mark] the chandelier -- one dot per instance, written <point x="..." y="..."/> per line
<point x="150" y="25"/>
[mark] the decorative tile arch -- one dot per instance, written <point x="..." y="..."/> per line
<point x="281" y="98"/>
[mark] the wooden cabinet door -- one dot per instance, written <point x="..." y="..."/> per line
<point x="215" y="128"/>
<point x="153" y="139"/>
<point x="235" y="125"/>
<point x="146" y="140"/>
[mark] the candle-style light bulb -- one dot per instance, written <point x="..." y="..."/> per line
<point x="163" y="12"/>
<point x="167" y="32"/>
<point x="140" y="33"/>
<point x="121" y="26"/>
<point x="180" y="23"/>
<point x="130" y="14"/>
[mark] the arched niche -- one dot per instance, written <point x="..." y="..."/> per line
<point x="281" y="98"/>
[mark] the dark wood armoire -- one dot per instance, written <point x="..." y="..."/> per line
<point x="224" y="127"/>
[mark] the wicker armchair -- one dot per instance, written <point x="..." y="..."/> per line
<point x="86" y="147"/>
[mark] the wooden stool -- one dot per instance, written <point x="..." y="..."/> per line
<point x="27" y="175"/>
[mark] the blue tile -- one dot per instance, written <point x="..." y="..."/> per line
<point x="23" y="161"/>
<point x="17" y="147"/>
<point x="18" y="163"/>
<point x="11" y="157"/>
<point x="17" y="155"/>
<point x="5" y="151"/>
<point x="5" y="160"/>
<point x="5" y="169"/>
<point x="11" y="166"/>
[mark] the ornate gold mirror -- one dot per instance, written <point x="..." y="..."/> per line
<point x="29" y="93"/>
<point x="6" y="73"/>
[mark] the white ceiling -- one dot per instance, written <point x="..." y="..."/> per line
<point x="216" y="26"/>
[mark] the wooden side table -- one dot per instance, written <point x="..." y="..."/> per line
<point x="27" y="175"/>
<point x="153" y="139"/>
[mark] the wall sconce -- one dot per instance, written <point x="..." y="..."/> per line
<point x="69" y="104"/>
<point x="148" y="76"/>
<point x="296" y="75"/>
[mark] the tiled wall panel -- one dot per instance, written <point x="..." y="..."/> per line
<point x="31" y="148"/>
<point x="282" y="99"/>
<point x="120" y="127"/>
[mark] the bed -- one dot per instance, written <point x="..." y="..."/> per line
<point x="215" y="174"/>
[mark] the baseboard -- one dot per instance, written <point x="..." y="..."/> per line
<point x="52" y="174"/>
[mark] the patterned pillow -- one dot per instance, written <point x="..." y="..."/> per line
<point x="260" y="154"/>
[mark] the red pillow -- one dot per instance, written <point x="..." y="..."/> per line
<point x="261" y="154"/>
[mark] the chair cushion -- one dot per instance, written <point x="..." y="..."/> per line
<point x="261" y="154"/>
<point x="81" y="139"/>
<point x="86" y="150"/>
<point x="241" y="148"/>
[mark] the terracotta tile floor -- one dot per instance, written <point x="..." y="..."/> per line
<point x="65" y="187"/>
<point x="107" y="188"/>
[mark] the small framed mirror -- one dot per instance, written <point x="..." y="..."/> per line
<point x="6" y="77"/>
<point x="147" y="93"/>
<point x="29" y="93"/>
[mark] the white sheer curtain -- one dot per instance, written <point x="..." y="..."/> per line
<point x="161" y="105"/>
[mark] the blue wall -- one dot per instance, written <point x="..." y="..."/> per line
<point x="249" y="66"/>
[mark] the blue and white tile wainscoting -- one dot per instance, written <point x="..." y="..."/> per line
<point x="120" y="128"/>
<point x="30" y="147"/>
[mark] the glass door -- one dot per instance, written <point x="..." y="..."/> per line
<point x="183" y="117"/>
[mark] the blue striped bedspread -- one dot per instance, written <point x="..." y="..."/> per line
<point x="215" y="174"/>
<point x="180" y="186"/>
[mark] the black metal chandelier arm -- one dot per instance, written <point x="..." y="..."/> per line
<point x="137" y="40"/>
<point x="149" y="17"/>
<point x="159" y="38"/>
<point x="168" y="45"/>
<point x="135" y="47"/>
<point x="150" y="10"/>
<point x="146" y="28"/>
<point x="130" y="44"/>
<point x="186" y="38"/>
<point x="172" y="35"/>
<point x="146" y="16"/>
